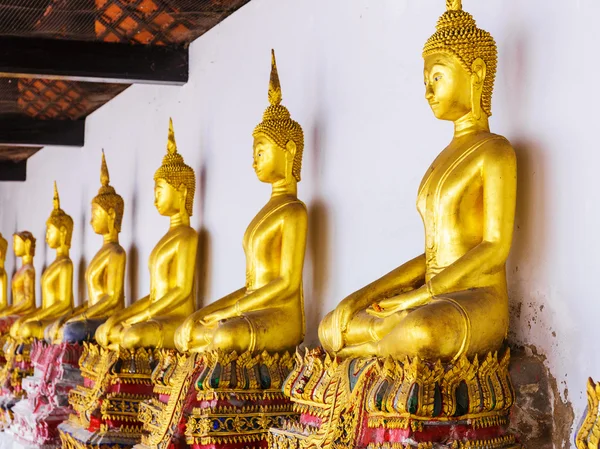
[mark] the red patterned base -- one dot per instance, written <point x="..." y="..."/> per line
<point x="56" y="372"/>
<point x="215" y="400"/>
<point x="106" y="406"/>
<point x="370" y="403"/>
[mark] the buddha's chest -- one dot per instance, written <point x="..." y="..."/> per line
<point x="96" y="274"/>
<point x="263" y="235"/>
<point x="163" y="258"/>
<point x="51" y="279"/>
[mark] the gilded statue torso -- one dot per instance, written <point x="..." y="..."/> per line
<point x="450" y="202"/>
<point x="97" y="272"/>
<point x="164" y="263"/>
<point x="22" y="280"/>
<point x="262" y="245"/>
<point x="51" y="284"/>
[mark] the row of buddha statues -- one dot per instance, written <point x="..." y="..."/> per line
<point x="445" y="305"/>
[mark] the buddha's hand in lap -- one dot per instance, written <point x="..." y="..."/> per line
<point x="212" y="318"/>
<point x="409" y="300"/>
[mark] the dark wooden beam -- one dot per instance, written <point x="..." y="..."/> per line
<point x="93" y="61"/>
<point x="13" y="171"/>
<point x="23" y="131"/>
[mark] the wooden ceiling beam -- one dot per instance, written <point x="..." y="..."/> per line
<point x="30" y="132"/>
<point x="13" y="171"/>
<point x="100" y="62"/>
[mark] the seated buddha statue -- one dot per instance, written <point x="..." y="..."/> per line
<point x="151" y="322"/>
<point x="452" y="300"/>
<point x="57" y="279"/>
<point x="267" y="314"/>
<point x="23" y="281"/>
<point x="105" y="274"/>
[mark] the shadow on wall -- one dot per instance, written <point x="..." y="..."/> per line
<point x="318" y="242"/>
<point x="203" y="252"/>
<point x="133" y="253"/>
<point x="528" y="248"/>
<point x="82" y="266"/>
<point x="540" y="412"/>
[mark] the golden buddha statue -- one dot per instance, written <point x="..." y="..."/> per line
<point x="105" y="275"/>
<point x="23" y="281"/>
<point x="452" y="300"/>
<point x="57" y="280"/>
<point x="3" y="277"/>
<point x="268" y="313"/>
<point x="151" y="322"/>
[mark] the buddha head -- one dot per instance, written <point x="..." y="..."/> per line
<point x="278" y="140"/>
<point x="107" y="206"/>
<point x="460" y="66"/>
<point x="3" y="248"/>
<point x="174" y="182"/>
<point x="24" y="244"/>
<point x="59" y="227"/>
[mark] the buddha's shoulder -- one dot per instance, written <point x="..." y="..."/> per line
<point x="60" y="264"/>
<point x="495" y="147"/>
<point x="182" y="232"/>
<point x="291" y="206"/>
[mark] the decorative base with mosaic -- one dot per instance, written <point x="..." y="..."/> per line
<point x="106" y="405"/>
<point x="17" y="366"/>
<point x="36" y="417"/>
<point x="216" y="400"/>
<point x="385" y="403"/>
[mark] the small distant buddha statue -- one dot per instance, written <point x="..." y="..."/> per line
<point x="23" y="281"/>
<point x="267" y="314"/>
<point x="452" y="300"/>
<point x="105" y="274"/>
<point x="3" y="277"/>
<point x="57" y="280"/>
<point x="151" y="322"/>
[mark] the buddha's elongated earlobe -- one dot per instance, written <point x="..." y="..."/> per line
<point x="478" y="71"/>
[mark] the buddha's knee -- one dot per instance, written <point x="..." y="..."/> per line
<point x="325" y="332"/>
<point x="29" y="330"/>
<point x="132" y="339"/>
<point x="231" y="337"/>
<point x="430" y="340"/>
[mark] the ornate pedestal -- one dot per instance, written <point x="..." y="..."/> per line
<point x="17" y="366"/>
<point x="385" y="403"/>
<point x="106" y="406"/>
<point x="36" y="417"/>
<point x="216" y="400"/>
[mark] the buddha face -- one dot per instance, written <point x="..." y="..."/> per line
<point x="99" y="219"/>
<point x="269" y="160"/>
<point x="167" y="199"/>
<point x="447" y="86"/>
<point x="53" y="236"/>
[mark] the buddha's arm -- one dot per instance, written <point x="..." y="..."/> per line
<point x="219" y="304"/>
<point x="65" y="293"/>
<point x="3" y="290"/>
<point x="186" y="263"/>
<point x="408" y="276"/>
<point x="28" y="294"/>
<point x="499" y="174"/>
<point x="132" y="314"/>
<point x="293" y="245"/>
<point x="113" y="297"/>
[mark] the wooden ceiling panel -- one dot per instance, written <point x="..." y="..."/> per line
<point x="63" y="59"/>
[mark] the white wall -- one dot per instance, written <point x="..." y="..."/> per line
<point x="351" y="75"/>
